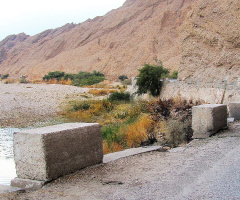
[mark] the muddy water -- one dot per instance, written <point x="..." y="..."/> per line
<point x="7" y="165"/>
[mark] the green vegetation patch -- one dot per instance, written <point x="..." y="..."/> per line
<point x="119" y="96"/>
<point x="80" y="79"/>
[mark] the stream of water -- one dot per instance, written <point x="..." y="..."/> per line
<point x="7" y="165"/>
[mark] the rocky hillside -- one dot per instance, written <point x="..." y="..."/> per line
<point x="141" y="31"/>
<point x="211" y="41"/>
<point x="8" y="43"/>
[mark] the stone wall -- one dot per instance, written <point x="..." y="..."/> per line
<point x="214" y="92"/>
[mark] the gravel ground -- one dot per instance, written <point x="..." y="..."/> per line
<point x="203" y="169"/>
<point x="24" y="105"/>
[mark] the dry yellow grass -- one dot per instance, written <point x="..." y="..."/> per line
<point x="10" y="81"/>
<point x="101" y="92"/>
<point x="62" y="82"/>
<point x="134" y="127"/>
<point x="138" y="131"/>
<point x="114" y="147"/>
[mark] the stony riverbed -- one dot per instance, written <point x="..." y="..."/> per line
<point x="23" y="105"/>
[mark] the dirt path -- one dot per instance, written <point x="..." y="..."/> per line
<point x="203" y="169"/>
<point x="27" y="104"/>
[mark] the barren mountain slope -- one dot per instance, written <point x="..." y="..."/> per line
<point x="9" y="42"/>
<point x="211" y="41"/>
<point x="141" y="31"/>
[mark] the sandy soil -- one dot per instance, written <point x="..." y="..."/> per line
<point x="24" y="105"/>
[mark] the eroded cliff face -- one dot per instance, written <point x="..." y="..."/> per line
<point x="210" y="45"/>
<point x="141" y="31"/>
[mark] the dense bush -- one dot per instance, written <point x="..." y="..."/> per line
<point x="122" y="77"/>
<point x="119" y="96"/>
<point x="5" y="76"/>
<point x="54" y="75"/>
<point x="80" y="79"/>
<point x="68" y="76"/>
<point x="85" y="78"/>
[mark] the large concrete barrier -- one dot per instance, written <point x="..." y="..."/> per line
<point x="44" y="154"/>
<point x="234" y="110"/>
<point x="208" y="119"/>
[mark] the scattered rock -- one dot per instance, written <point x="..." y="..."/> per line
<point x="112" y="182"/>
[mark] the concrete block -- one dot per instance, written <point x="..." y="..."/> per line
<point x="27" y="184"/>
<point x="234" y="110"/>
<point x="47" y="153"/>
<point x="208" y="119"/>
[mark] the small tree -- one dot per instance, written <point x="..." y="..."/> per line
<point x="149" y="79"/>
<point x="122" y="77"/>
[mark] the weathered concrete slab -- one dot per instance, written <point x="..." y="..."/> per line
<point x="208" y="119"/>
<point x="27" y="184"/>
<point x="46" y="153"/>
<point x="8" y="189"/>
<point x="130" y="152"/>
<point x="234" y="110"/>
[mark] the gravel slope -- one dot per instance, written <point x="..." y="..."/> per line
<point x="26" y="104"/>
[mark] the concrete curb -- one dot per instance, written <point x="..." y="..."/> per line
<point x="130" y="152"/>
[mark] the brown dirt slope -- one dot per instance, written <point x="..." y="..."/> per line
<point x="141" y="31"/>
<point x="211" y="41"/>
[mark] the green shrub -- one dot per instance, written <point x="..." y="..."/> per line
<point x="110" y="134"/>
<point x="119" y="96"/>
<point x="83" y="105"/>
<point x="54" y="75"/>
<point x="23" y="80"/>
<point x="69" y="76"/>
<point x="80" y="79"/>
<point x="5" y="76"/>
<point x="174" y="75"/>
<point x="122" y="77"/>
<point x="86" y="78"/>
